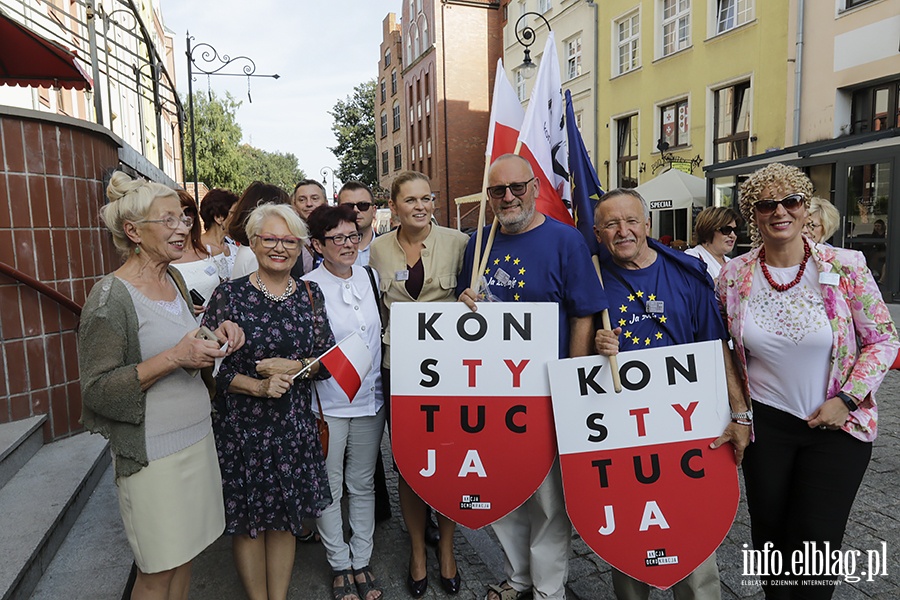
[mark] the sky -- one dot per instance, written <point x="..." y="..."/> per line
<point x="321" y="50"/>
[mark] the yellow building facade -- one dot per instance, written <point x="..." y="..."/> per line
<point x="690" y="83"/>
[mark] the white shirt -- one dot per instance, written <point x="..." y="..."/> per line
<point x="788" y="340"/>
<point x="244" y="262"/>
<point x="712" y="265"/>
<point x="362" y="257"/>
<point x="352" y="306"/>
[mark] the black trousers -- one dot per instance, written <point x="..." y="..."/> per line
<point x="801" y="484"/>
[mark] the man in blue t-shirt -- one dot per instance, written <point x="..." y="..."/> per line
<point x="661" y="297"/>
<point x="536" y="259"/>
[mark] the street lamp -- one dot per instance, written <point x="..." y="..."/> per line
<point x="324" y="173"/>
<point x="211" y="66"/>
<point x="526" y="37"/>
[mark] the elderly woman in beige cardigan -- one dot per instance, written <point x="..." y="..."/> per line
<point x="139" y="354"/>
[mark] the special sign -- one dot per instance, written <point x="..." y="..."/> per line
<point x="471" y="422"/>
<point x="642" y="486"/>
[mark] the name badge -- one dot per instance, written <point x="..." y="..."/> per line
<point x="829" y="278"/>
<point x="401" y="275"/>
<point x="656" y="307"/>
<point x="501" y="276"/>
<point x="211" y="270"/>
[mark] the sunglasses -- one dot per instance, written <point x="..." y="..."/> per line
<point x="360" y="206"/>
<point x="518" y="188"/>
<point x="727" y="230"/>
<point x="791" y="203"/>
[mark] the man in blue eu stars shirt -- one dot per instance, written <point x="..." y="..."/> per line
<point x="661" y="297"/>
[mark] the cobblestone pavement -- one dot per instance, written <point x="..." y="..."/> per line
<point x="874" y="521"/>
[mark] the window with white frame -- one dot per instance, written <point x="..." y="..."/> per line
<point x="573" y="57"/>
<point x="628" y="39"/>
<point x="674" y="124"/>
<point x="732" y="13"/>
<point x="398" y="157"/>
<point x="578" y="119"/>
<point x="425" y="42"/>
<point x="393" y="82"/>
<point x="385" y="165"/>
<point x="676" y="25"/>
<point x="416" y="48"/>
<point x="731" y="122"/>
<point x="545" y="5"/>
<point x="848" y="4"/>
<point x="396" y="115"/>
<point x="520" y="86"/>
<point x="383" y="123"/>
<point x="387" y="57"/>
<point x="383" y="91"/>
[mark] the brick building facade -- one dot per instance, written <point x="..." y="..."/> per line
<point x="390" y="126"/>
<point x="450" y="50"/>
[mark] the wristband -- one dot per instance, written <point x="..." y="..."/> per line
<point x="744" y="422"/>
<point x="737" y="417"/>
<point x="848" y="401"/>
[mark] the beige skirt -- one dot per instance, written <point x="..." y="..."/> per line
<point x="172" y="508"/>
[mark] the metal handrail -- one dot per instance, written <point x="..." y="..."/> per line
<point x="41" y="288"/>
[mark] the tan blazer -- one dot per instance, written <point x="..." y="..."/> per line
<point x="442" y="259"/>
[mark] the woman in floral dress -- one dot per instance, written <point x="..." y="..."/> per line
<point x="273" y="471"/>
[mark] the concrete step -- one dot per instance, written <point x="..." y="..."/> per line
<point x="40" y="503"/>
<point x="95" y="559"/>
<point x="19" y="441"/>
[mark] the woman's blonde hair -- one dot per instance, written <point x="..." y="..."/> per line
<point x="779" y="175"/>
<point x="828" y="214"/>
<point x="129" y="200"/>
<point x="283" y="211"/>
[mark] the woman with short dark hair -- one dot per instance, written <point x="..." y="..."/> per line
<point x="215" y="208"/>
<point x="715" y="232"/>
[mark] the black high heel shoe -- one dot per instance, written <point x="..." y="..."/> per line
<point x="418" y="588"/>
<point x="451" y="585"/>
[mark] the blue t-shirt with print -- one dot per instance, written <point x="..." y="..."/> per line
<point x="550" y="263"/>
<point x="662" y="305"/>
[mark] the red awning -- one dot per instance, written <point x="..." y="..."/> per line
<point x="28" y="59"/>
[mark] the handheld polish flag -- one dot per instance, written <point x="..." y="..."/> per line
<point x="349" y="362"/>
<point x="506" y="116"/>
<point x="543" y="138"/>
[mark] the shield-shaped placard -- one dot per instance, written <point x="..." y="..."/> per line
<point x="642" y="486"/>
<point x="471" y="423"/>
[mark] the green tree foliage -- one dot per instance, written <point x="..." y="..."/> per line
<point x="222" y="161"/>
<point x="270" y="167"/>
<point x="354" y="127"/>
<point x="218" y="135"/>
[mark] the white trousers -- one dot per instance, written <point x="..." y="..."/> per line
<point x="536" y="539"/>
<point x="357" y="438"/>
<point x="701" y="584"/>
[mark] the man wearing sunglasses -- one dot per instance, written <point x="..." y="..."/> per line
<point x="663" y="298"/>
<point x="360" y="197"/>
<point x="535" y="258"/>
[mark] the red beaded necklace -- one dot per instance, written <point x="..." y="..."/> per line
<point x="783" y="287"/>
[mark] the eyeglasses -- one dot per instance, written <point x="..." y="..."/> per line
<point x="813" y="225"/>
<point x="791" y="202"/>
<point x="171" y="221"/>
<point x="517" y="188"/>
<point x="727" y="230"/>
<point x="288" y="243"/>
<point x="360" y="206"/>
<point x="341" y="239"/>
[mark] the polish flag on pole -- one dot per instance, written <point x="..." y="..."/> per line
<point x="506" y="116"/>
<point x="349" y="362"/>
<point x="543" y="138"/>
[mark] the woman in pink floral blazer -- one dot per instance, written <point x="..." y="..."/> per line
<point x="814" y="340"/>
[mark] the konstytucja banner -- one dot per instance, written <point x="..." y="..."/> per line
<point x="642" y="486"/>
<point x="471" y="423"/>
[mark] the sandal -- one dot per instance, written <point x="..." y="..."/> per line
<point x="368" y="585"/>
<point x="345" y="588"/>
<point x="504" y="591"/>
<point x="310" y="537"/>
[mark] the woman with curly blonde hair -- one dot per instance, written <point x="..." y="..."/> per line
<point x="791" y="305"/>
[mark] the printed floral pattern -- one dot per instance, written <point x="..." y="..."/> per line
<point x="273" y="472"/>
<point x="865" y="340"/>
<point x="793" y="314"/>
